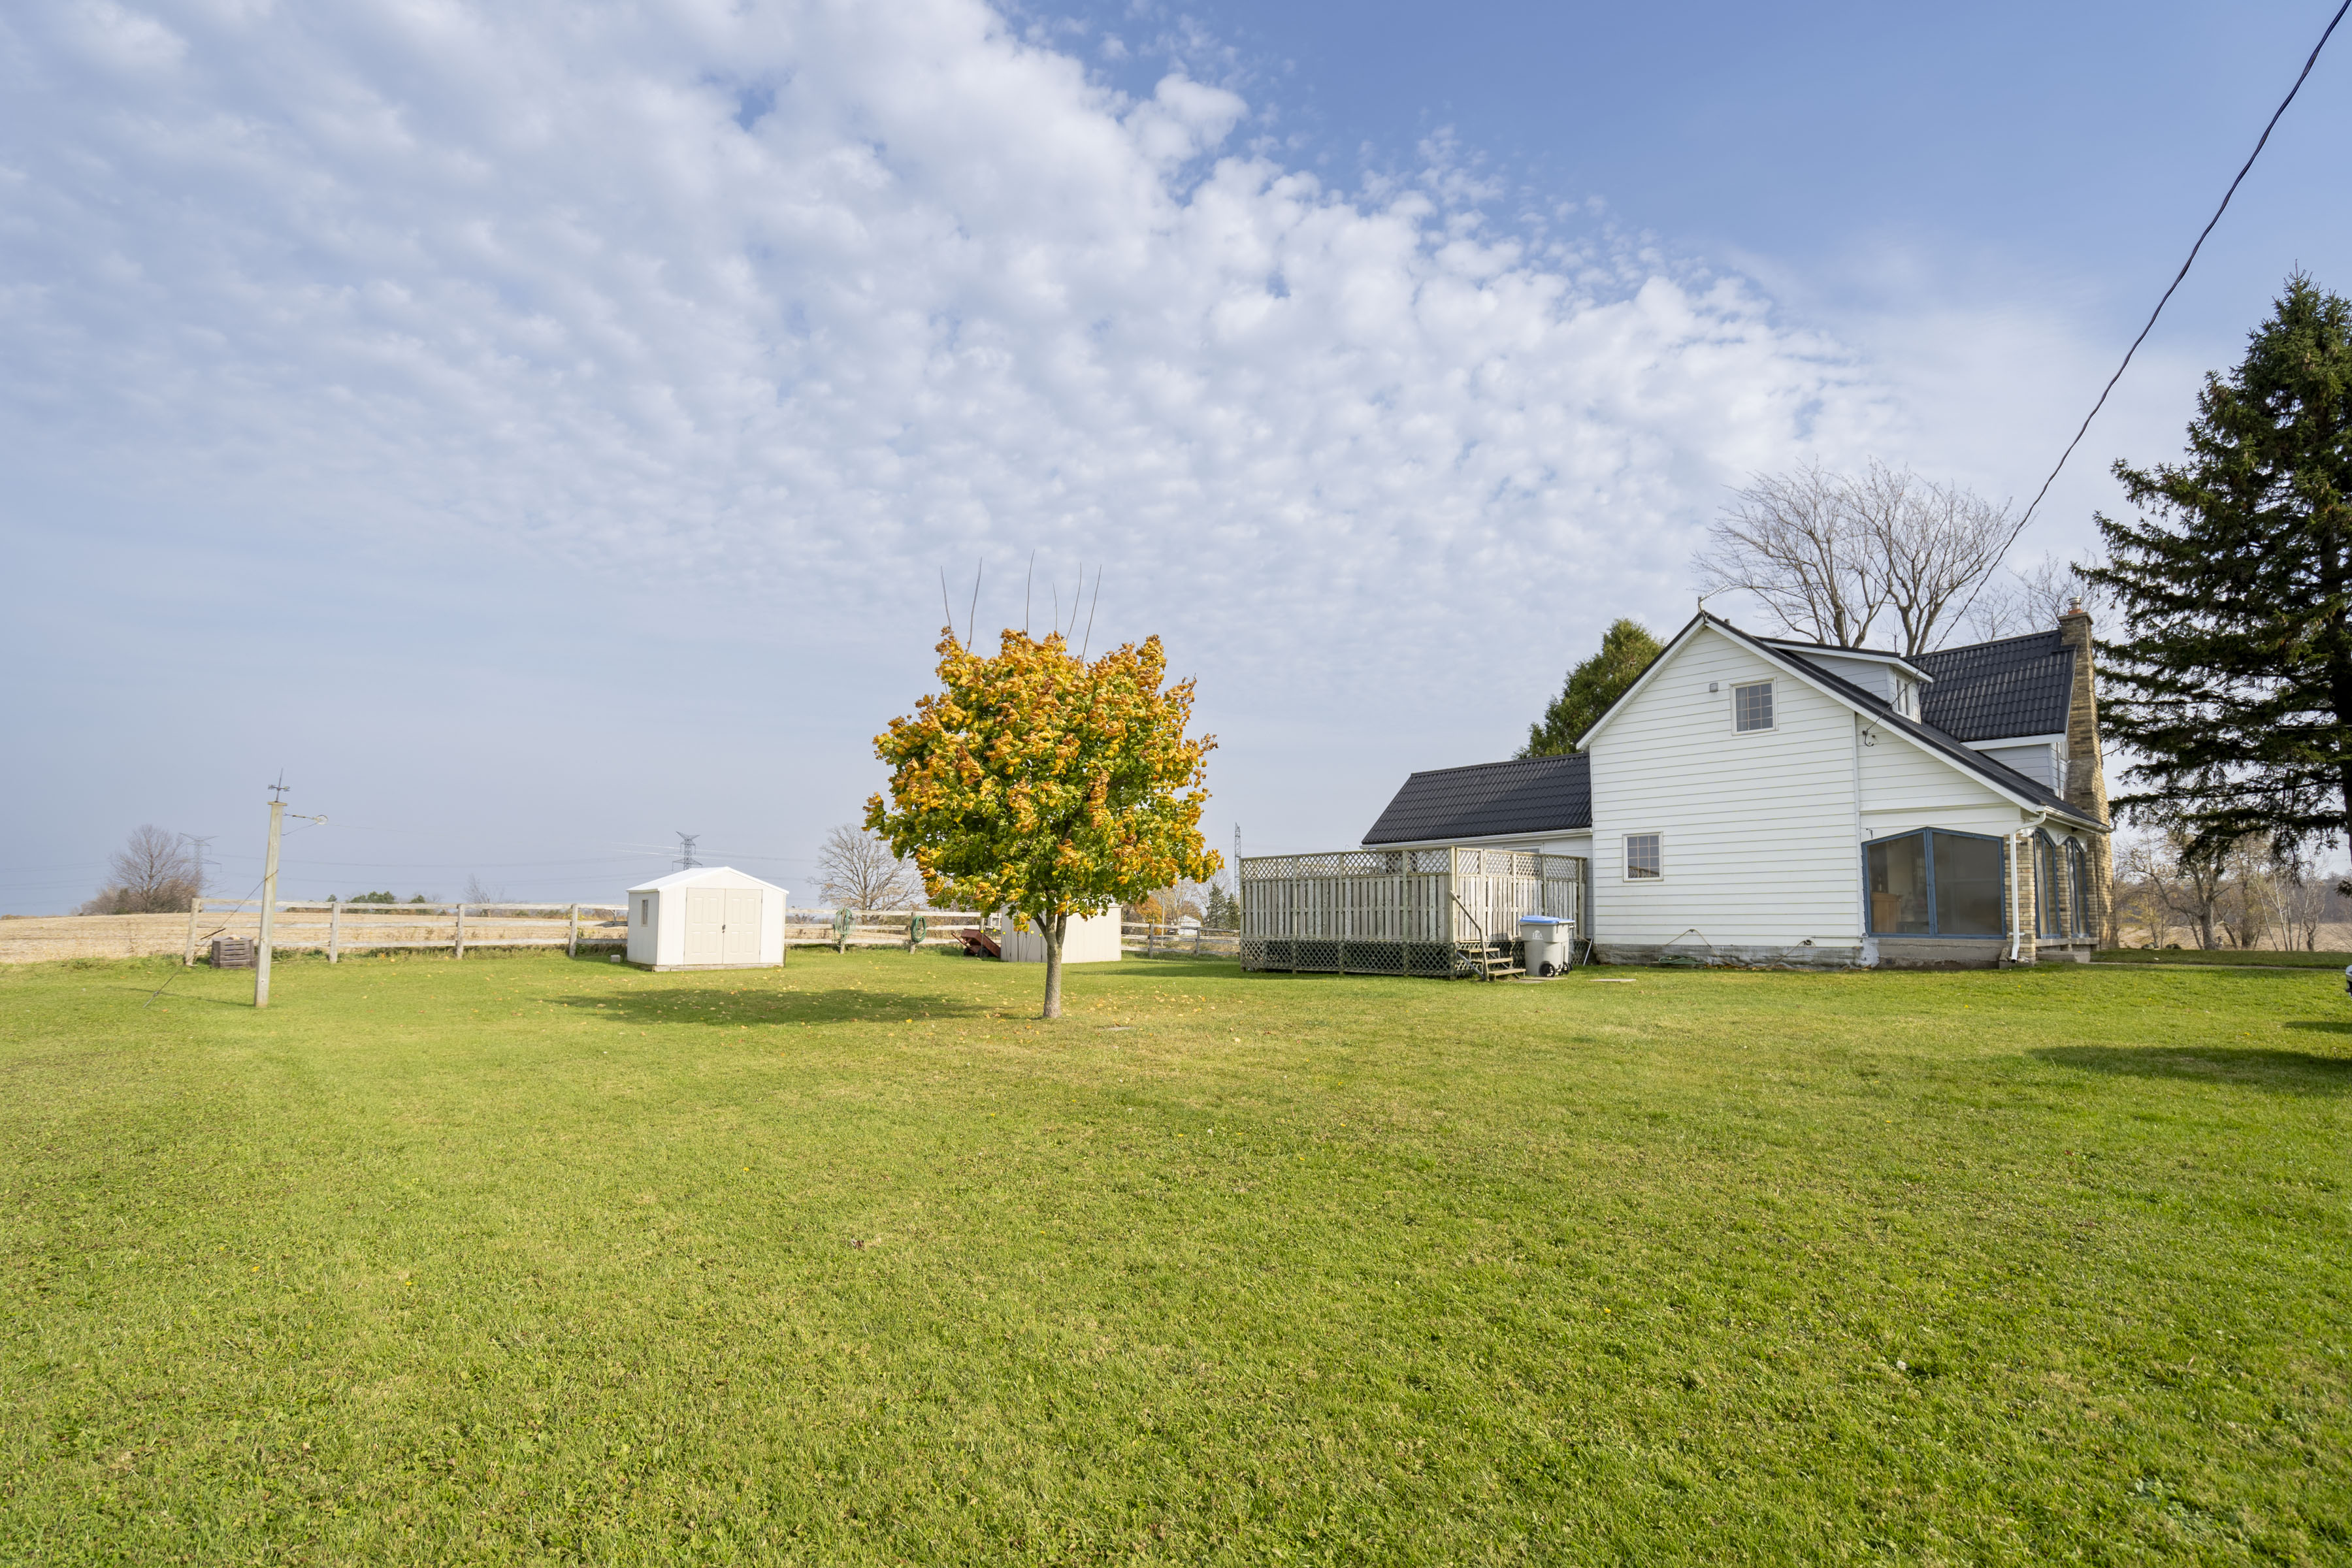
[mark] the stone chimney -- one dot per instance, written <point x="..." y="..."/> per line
<point x="2086" y="774"/>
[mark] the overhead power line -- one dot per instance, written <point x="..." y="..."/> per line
<point x="2185" y="266"/>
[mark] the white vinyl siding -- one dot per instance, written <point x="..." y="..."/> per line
<point x="2038" y="761"/>
<point x="1904" y="787"/>
<point x="1762" y="835"/>
<point x="1874" y="676"/>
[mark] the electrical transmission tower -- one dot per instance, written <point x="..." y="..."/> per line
<point x="203" y="860"/>
<point x="686" y="860"/>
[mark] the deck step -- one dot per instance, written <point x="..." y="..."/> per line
<point x="1485" y="963"/>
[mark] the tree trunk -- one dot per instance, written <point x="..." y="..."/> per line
<point x="1053" y="930"/>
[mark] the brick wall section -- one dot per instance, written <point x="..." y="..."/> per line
<point x="2086" y="774"/>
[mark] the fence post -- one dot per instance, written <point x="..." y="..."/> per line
<point x="335" y="932"/>
<point x="459" y="950"/>
<point x="1151" y="934"/>
<point x="571" y="944"/>
<point x="196" y="908"/>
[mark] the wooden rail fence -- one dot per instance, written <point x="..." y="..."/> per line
<point x="355" y="927"/>
<point x="1157" y="940"/>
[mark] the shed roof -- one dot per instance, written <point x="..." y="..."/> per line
<point x="1488" y="800"/>
<point x="726" y="876"/>
<point x="1984" y="692"/>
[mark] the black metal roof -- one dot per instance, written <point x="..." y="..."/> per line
<point x="1486" y="800"/>
<point x="2018" y="686"/>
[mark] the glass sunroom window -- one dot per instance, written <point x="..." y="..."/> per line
<point x="2050" y="921"/>
<point x="1898" y="886"/>
<point x="1934" y="883"/>
<point x="1967" y="884"/>
<point x="2078" y="880"/>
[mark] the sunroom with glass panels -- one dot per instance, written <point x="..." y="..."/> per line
<point x="1934" y="882"/>
<point x="2062" y="890"/>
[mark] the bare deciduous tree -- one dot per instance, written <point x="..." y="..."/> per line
<point x="2202" y="888"/>
<point x="154" y="873"/>
<point x="856" y="870"/>
<point x="480" y="892"/>
<point x="1827" y="555"/>
<point x="2248" y="906"/>
<point x="2138" y="896"/>
<point x="2014" y="602"/>
<point x="1795" y="542"/>
<point x="2303" y="902"/>
<point x="2243" y="894"/>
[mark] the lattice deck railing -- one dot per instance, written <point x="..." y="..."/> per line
<point x="1396" y="912"/>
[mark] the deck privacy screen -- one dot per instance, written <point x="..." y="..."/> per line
<point x="1935" y="883"/>
<point x="1396" y="912"/>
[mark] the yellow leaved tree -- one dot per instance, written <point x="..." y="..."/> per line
<point x="1040" y="784"/>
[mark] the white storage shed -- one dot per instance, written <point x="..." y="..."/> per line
<point x="707" y="917"/>
<point x="1089" y="938"/>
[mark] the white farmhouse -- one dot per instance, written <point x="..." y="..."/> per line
<point x="1757" y="800"/>
<point x="707" y="917"/>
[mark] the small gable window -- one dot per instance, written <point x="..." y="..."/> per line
<point x="1751" y="705"/>
<point x="1642" y="858"/>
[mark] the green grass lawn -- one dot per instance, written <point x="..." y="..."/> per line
<point x="2267" y="958"/>
<point x="527" y="1259"/>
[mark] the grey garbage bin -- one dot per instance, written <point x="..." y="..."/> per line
<point x="1546" y="940"/>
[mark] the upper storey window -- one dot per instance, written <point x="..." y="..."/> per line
<point x="1751" y="705"/>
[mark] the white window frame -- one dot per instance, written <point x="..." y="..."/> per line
<point x="1625" y="857"/>
<point x="1772" y="699"/>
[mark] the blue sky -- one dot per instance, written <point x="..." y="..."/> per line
<point x="542" y="429"/>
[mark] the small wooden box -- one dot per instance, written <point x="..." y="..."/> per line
<point x="232" y="952"/>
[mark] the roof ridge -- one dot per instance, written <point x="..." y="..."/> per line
<point x="1991" y="642"/>
<point x="1505" y="762"/>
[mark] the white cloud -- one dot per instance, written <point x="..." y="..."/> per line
<point x="816" y="296"/>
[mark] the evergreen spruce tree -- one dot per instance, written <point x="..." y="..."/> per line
<point x="2232" y="681"/>
<point x="1626" y="649"/>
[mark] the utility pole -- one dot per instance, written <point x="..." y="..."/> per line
<point x="269" y="893"/>
<point x="686" y="860"/>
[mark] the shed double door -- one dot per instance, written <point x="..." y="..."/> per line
<point x="722" y="925"/>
